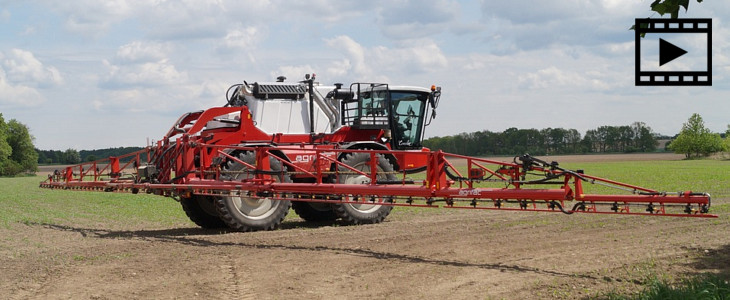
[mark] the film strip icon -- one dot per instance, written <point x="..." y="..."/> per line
<point x="673" y="78"/>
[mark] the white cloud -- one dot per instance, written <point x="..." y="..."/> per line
<point x="167" y="102"/>
<point x="21" y="67"/>
<point x="327" y="11"/>
<point x="184" y="20"/>
<point x="13" y="95"/>
<point x="240" y="39"/>
<point x="143" y="75"/>
<point x="4" y="15"/>
<point x="423" y="55"/>
<point x="30" y="30"/>
<point x="21" y="77"/>
<point x="553" y="78"/>
<point x="380" y="62"/>
<point x="355" y="54"/>
<point x="339" y="69"/>
<point x="408" y="19"/>
<point x="93" y="18"/>
<point x="544" y="23"/>
<point x="137" y="51"/>
<point x="161" y="19"/>
<point x="142" y="65"/>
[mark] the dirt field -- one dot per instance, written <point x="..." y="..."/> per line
<point x="445" y="254"/>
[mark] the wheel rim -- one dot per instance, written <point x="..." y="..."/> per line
<point x="365" y="208"/>
<point x="255" y="208"/>
<point x="362" y="179"/>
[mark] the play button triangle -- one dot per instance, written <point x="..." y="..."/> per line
<point x="668" y="52"/>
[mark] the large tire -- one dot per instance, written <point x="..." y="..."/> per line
<point x="314" y="212"/>
<point x="252" y="213"/>
<point x="363" y="213"/>
<point x="201" y="210"/>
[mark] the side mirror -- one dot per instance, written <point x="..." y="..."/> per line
<point x="434" y="97"/>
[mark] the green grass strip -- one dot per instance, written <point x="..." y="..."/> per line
<point x="702" y="287"/>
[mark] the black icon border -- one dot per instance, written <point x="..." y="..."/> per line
<point x="666" y="78"/>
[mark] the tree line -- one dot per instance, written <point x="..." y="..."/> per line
<point x="16" y="149"/>
<point x="73" y="156"/>
<point x="637" y="137"/>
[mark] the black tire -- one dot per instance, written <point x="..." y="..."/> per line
<point x="201" y="210"/>
<point x="363" y="213"/>
<point x="313" y="211"/>
<point x="252" y="213"/>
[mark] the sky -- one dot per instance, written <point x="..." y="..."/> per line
<point x="91" y="74"/>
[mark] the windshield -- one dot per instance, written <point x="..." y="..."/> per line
<point x="407" y="108"/>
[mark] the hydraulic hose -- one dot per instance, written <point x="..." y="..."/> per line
<point x="560" y="207"/>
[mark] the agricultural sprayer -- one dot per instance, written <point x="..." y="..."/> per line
<point x="349" y="153"/>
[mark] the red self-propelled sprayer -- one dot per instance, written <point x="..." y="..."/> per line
<point x="350" y="153"/>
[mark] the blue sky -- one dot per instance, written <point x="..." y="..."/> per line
<point x="96" y="74"/>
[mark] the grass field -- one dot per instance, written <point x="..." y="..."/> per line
<point x="709" y="176"/>
<point x="25" y="207"/>
<point x="23" y="201"/>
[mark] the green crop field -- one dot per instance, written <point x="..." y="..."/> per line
<point x="23" y="201"/>
<point x="709" y="176"/>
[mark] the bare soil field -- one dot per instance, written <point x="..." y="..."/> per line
<point x="421" y="254"/>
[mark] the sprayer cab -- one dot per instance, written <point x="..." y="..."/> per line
<point x="401" y="111"/>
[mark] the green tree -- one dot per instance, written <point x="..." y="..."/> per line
<point x="7" y="166"/>
<point x="20" y="140"/>
<point x="71" y="156"/>
<point x="644" y="138"/>
<point x="590" y="141"/>
<point x="697" y="140"/>
<point x="17" y="153"/>
<point x="42" y="158"/>
<point x="613" y="138"/>
<point x="727" y="138"/>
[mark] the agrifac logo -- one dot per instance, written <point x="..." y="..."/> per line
<point x="469" y="192"/>
<point x="305" y="158"/>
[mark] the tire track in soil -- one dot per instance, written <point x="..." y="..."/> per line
<point x="234" y="285"/>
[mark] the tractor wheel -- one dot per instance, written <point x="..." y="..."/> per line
<point x="363" y="213"/>
<point x="201" y="210"/>
<point x="244" y="213"/>
<point x="314" y="212"/>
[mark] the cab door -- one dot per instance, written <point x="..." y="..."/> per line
<point x="407" y="108"/>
